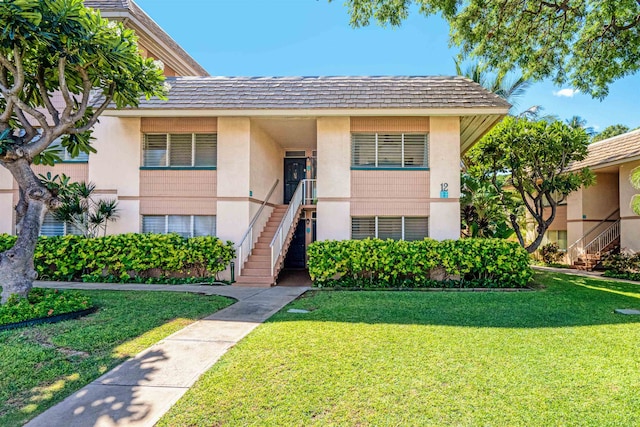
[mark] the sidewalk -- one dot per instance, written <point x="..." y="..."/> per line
<point x="590" y="274"/>
<point x="142" y="389"/>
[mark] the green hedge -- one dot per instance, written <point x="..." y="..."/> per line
<point x="123" y="258"/>
<point x="622" y="266"/>
<point x="374" y="263"/>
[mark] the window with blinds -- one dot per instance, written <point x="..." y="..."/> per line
<point x="403" y="150"/>
<point x="51" y="226"/>
<point x="184" y="225"/>
<point x="396" y="228"/>
<point x="180" y="150"/>
<point x="65" y="156"/>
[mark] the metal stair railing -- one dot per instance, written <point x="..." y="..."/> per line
<point x="277" y="245"/>
<point x="244" y="248"/>
<point x="577" y="248"/>
<point x="604" y="239"/>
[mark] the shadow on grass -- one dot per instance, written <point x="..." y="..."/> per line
<point x="565" y="300"/>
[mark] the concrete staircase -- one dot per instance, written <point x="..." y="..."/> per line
<point x="257" y="269"/>
<point x="591" y="261"/>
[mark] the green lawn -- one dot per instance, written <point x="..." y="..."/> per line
<point x="40" y="366"/>
<point x="557" y="356"/>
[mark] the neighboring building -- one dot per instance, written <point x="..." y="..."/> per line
<point x="599" y="218"/>
<point x="368" y="156"/>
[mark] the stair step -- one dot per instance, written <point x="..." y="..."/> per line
<point x="251" y="264"/>
<point x="254" y="281"/>
<point x="260" y="258"/>
<point x="261" y="252"/>
<point x="256" y="272"/>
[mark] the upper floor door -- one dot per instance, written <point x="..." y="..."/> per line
<point x="294" y="172"/>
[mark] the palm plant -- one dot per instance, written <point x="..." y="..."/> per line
<point x="80" y="209"/>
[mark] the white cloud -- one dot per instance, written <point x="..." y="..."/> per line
<point x="566" y="92"/>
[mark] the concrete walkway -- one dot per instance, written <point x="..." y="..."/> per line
<point x="142" y="389"/>
<point x="590" y="274"/>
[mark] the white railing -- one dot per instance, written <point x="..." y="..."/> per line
<point x="279" y="239"/>
<point x="244" y="248"/>
<point x="309" y="192"/>
<point x="598" y="244"/>
<point x="577" y="248"/>
<point x="604" y="239"/>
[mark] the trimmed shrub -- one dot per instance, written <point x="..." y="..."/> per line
<point x="550" y="253"/>
<point x="42" y="303"/>
<point x="622" y="266"/>
<point x="123" y="258"/>
<point x="375" y="263"/>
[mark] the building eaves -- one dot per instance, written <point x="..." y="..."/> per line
<point x="611" y="151"/>
<point x="118" y="9"/>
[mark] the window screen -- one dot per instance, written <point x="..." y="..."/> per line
<point x="204" y="225"/>
<point x="206" y="150"/>
<point x="180" y="224"/>
<point x="416" y="228"/>
<point x="51" y="226"/>
<point x="363" y="227"/>
<point x="363" y="149"/>
<point x="180" y="150"/>
<point x="154" y="224"/>
<point x="415" y="150"/>
<point x="389" y="150"/>
<point x="155" y="150"/>
<point x="390" y="228"/>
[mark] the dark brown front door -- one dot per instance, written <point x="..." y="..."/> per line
<point x="294" y="172"/>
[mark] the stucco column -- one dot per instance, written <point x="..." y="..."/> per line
<point x="629" y="220"/>
<point x="334" y="178"/>
<point x="6" y="201"/>
<point x="234" y="168"/>
<point x="444" y="164"/>
<point x="115" y="169"/>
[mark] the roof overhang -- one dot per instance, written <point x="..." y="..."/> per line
<point x="155" y="39"/>
<point x="474" y="123"/>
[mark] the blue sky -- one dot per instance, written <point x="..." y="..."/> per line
<point x="313" y="37"/>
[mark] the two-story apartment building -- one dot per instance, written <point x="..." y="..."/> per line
<point x="273" y="163"/>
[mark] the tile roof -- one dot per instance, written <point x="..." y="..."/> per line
<point x="616" y="149"/>
<point x="107" y="7"/>
<point x="325" y="93"/>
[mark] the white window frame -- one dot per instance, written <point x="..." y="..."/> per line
<point x="402" y="150"/>
<point x="168" y="155"/>
<point x="376" y="224"/>
<point x="192" y="225"/>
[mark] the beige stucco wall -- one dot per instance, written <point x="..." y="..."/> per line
<point x="6" y="213"/>
<point x="334" y="178"/>
<point x="575" y="228"/>
<point x="599" y="200"/>
<point x="588" y="206"/>
<point x="630" y="222"/>
<point x="266" y="165"/>
<point x="6" y="201"/>
<point x="129" y="218"/>
<point x="333" y="220"/>
<point x="444" y="221"/>
<point x="444" y="164"/>
<point x="334" y="158"/>
<point x="116" y="165"/>
<point x="234" y="161"/>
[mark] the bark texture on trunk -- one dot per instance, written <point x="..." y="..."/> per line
<point x="17" y="271"/>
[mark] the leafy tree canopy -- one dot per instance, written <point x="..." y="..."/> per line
<point x="610" y="131"/>
<point x="534" y="157"/>
<point x="586" y="43"/>
<point x="61" y="66"/>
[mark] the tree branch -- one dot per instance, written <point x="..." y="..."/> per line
<point x="42" y="88"/>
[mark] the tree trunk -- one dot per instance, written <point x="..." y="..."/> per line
<point x="17" y="271"/>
